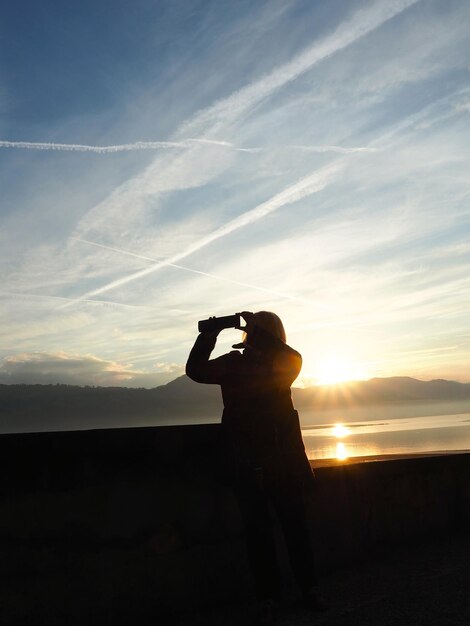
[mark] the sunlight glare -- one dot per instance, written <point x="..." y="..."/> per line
<point x="340" y="430"/>
<point x="337" y="369"/>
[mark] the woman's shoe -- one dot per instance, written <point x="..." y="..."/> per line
<point x="313" y="600"/>
<point x="265" y="613"/>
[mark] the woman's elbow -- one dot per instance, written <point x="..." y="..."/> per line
<point x="190" y="372"/>
<point x="195" y="373"/>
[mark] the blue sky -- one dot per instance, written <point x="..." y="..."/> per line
<point x="165" y="161"/>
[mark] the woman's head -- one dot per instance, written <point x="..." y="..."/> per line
<point x="271" y="323"/>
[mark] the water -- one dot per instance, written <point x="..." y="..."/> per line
<point x="373" y="430"/>
<point x="387" y="435"/>
<point x="387" y="429"/>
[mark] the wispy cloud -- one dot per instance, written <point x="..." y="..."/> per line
<point x="20" y="295"/>
<point x="309" y="185"/>
<point x="313" y="163"/>
<point x="364" y="21"/>
<point x="189" y="269"/>
<point x="131" y="199"/>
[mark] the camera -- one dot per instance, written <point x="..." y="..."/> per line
<point x="219" y="323"/>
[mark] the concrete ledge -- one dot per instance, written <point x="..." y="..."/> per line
<point x="120" y="525"/>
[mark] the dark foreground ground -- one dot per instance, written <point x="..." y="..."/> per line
<point x="128" y="527"/>
<point x="424" y="585"/>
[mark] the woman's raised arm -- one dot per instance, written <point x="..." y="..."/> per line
<point x="199" y="367"/>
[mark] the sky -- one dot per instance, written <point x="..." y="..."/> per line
<point x="162" y="161"/>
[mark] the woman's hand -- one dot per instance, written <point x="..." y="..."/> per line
<point x="213" y="334"/>
<point x="249" y="322"/>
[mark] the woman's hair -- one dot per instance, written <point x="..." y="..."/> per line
<point x="271" y="323"/>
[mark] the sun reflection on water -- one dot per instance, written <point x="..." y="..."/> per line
<point x="340" y="431"/>
<point x="341" y="453"/>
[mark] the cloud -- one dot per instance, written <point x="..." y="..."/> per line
<point x="227" y="110"/>
<point x="310" y="184"/>
<point x="129" y="203"/>
<point x="429" y="43"/>
<point x="74" y="369"/>
<point x="186" y="269"/>
<point x="21" y="296"/>
<point x="254" y="197"/>
<point x="124" y="212"/>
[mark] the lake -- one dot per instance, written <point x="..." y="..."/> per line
<point x="347" y="433"/>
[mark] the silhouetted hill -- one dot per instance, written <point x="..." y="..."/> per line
<point x="57" y="407"/>
<point x="397" y="389"/>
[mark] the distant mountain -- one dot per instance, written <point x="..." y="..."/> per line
<point x="58" y="407"/>
<point x="397" y="389"/>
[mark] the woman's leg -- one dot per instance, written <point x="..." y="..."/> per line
<point x="288" y="499"/>
<point x="261" y="547"/>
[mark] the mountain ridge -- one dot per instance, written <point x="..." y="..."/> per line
<point x="47" y="407"/>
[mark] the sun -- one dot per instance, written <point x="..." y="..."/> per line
<point x="338" y="369"/>
<point x="340" y="431"/>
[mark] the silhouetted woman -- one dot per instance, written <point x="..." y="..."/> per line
<point x="263" y="448"/>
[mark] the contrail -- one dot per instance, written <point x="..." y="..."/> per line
<point x="125" y="147"/>
<point x="156" y="145"/>
<point x="417" y="119"/>
<point x="225" y="111"/>
<point x="339" y="149"/>
<point x="308" y="185"/>
<point x="190" y="269"/>
<point x="35" y="296"/>
<point x="360" y="24"/>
